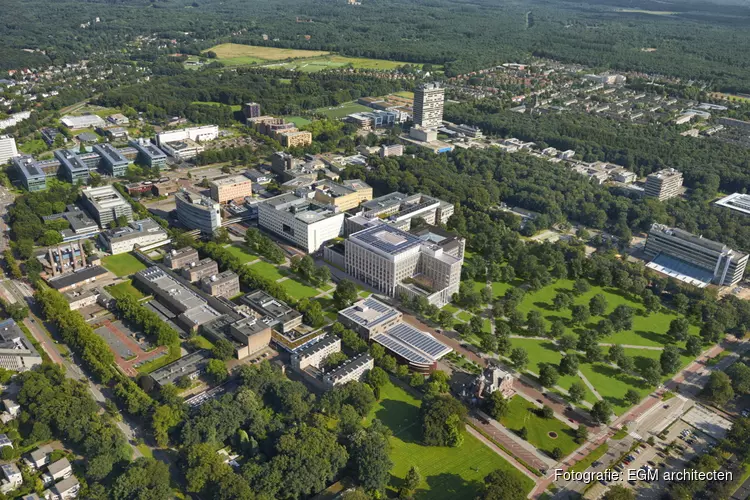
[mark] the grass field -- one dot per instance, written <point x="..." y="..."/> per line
<point x="267" y="270"/>
<point x="342" y="110"/>
<point x="298" y="120"/>
<point x="173" y="355"/>
<point x="521" y="413"/>
<point x="498" y="288"/>
<point x="447" y="473"/>
<point x="125" y="288"/>
<point x="234" y="54"/>
<point x="297" y="290"/>
<point x="241" y="252"/>
<point x="650" y="12"/>
<point x="123" y="264"/>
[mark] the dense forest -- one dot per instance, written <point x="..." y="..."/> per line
<point x="692" y="41"/>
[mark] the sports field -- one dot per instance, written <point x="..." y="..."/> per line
<point x="235" y="54"/>
<point x="342" y="110"/>
<point x="123" y="264"/>
<point x="447" y="473"/>
<point x="235" y="107"/>
<point x="521" y="413"/>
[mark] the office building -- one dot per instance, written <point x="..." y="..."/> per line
<point x="225" y="284"/>
<point x="79" y="122"/>
<point x="32" y="176"/>
<point x="79" y="300"/>
<point x="73" y="167"/>
<point x="251" y="110"/>
<point x="177" y="259"/>
<point x="149" y="154"/>
<point x="692" y="258"/>
<point x="190" y="366"/>
<point x="398" y="209"/>
<point x="231" y="188"/>
<point x="196" y="270"/>
<point x="736" y="202"/>
<point x="370" y="120"/>
<point x="428" y="105"/>
<point x="197" y="212"/>
<point x="306" y="223"/>
<point x="146" y="234"/>
<point x="182" y="150"/>
<point x="352" y="369"/>
<point x="106" y="204"/>
<point x="295" y="138"/>
<point x="16" y="352"/>
<point x="378" y="322"/>
<point x="8" y="149"/>
<point x="391" y="150"/>
<point x="344" y="196"/>
<point x="314" y="353"/>
<point x="197" y="134"/>
<point x="664" y="184"/>
<point x="112" y="160"/>
<point x="272" y="309"/>
<point x="249" y="335"/>
<point x="282" y="162"/>
<point x="396" y="262"/>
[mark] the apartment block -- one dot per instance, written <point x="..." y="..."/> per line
<point x="692" y="258"/>
<point x="295" y="139"/>
<point x="225" y="284"/>
<point x="235" y="187"/>
<point x="251" y="110"/>
<point x="664" y="184"/>
<point x="106" y="204"/>
<point x="313" y="354"/>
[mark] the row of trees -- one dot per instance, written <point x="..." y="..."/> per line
<point x="149" y="322"/>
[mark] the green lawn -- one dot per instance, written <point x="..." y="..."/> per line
<point x="447" y="473"/>
<point x="521" y="413"/>
<point x="298" y="120"/>
<point x="267" y="270"/>
<point x="241" y="252"/>
<point x="450" y="308"/>
<point x="612" y="384"/>
<point x="173" y="355"/>
<point x="201" y="342"/>
<point x="125" y="288"/>
<point x="297" y="290"/>
<point x="33" y="147"/>
<point x="342" y="110"/>
<point x="498" y="288"/>
<point x="123" y="264"/>
<point x="464" y="316"/>
<point x="592" y="457"/>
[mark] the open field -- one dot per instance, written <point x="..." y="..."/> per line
<point x="521" y="413"/>
<point x="125" y="288"/>
<point x="236" y="50"/>
<point x="123" y="264"/>
<point x="298" y="120"/>
<point x="267" y="270"/>
<point x="297" y="290"/>
<point x="33" y="147"/>
<point x="336" y="61"/>
<point x="447" y="473"/>
<point x="241" y="252"/>
<point x="342" y="110"/>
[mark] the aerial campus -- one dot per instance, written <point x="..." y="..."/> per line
<point x="254" y="255"/>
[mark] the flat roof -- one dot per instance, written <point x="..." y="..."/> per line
<point x="28" y="167"/>
<point x="104" y="197"/>
<point x="386" y="239"/>
<point x="148" y="149"/>
<point x="230" y="180"/>
<point x="134" y="230"/>
<point x="70" y="160"/>
<point x="268" y="305"/>
<point x="186" y="365"/>
<point x="695" y="240"/>
<point x="736" y="201"/>
<point x="12" y="337"/>
<point x="317" y="345"/>
<point x="369" y="312"/>
<point x="167" y="286"/>
<point x="112" y="154"/>
<point x="301" y="208"/>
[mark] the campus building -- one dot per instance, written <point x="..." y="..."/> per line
<point x="16" y="352"/>
<point x="736" y="202"/>
<point x="112" y="160"/>
<point x="197" y="212"/>
<point x="396" y="262"/>
<point x="8" y="149"/>
<point x="177" y="259"/>
<point x="148" y="154"/>
<point x="314" y="353"/>
<point x="344" y="196"/>
<point x="428" y="105"/>
<point x="251" y="110"/>
<point x="399" y="209"/>
<point x="352" y="369"/>
<point x="235" y="187"/>
<point x="198" y="134"/>
<point x="225" y="284"/>
<point x="306" y="223"/>
<point x="197" y="270"/>
<point x="295" y="138"/>
<point x="144" y="233"/>
<point x="273" y="309"/>
<point x="106" y="204"/>
<point x="391" y="150"/>
<point x="249" y="335"/>
<point x="85" y="121"/>
<point x="664" y="184"/>
<point x="190" y="366"/>
<point x="32" y="176"/>
<point x="692" y="258"/>
<point x="73" y="167"/>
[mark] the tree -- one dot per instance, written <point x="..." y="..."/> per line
<point x="547" y="412"/>
<point x="601" y="412"/>
<point x="711" y="331"/>
<point x="681" y="303"/>
<point x="377" y="378"/>
<point x="616" y="353"/>
<point x="651" y="371"/>
<point x="411" y="481"/>
<point x="622" y="318"/>
<point x="223" y="350"/>
<point x="678" y="329"/>
<point x="388" y="363"/>
<point x="598" y="304"/>
<point x="593" y="353"/>
<point x="581" y="286"/>
<point x="739" y="373"/>
<point x="557" y="329"/>
<point x="520" y="358"/>
<point x="145" y="478"/>
<point x="580" y="313"/>
<point x="569" y="365"/>
<point x="581" y="434"/>
<point x="693" y="346"/>
<point x="345" y="294"/>
<point x="626" y="364"/>
<point x="577" y="391"/>
<point x="718" y="389"/>
<point x="535" y="323"/>
<point x="333" y="360"/>
<point x="632" y="396"/>
<point x="502" y="485"/>
<point x="548" y="375"/>
<point x="562" y="300"/>
<point x="439" y="382"/>
<point x="442" y="419"/>
<point x="604" y="327"/>
<point x="445" y="319"/>
<point x="650" y="301"/>
<point x="216" y="369"/>
<point x="567" y="342"/>
<point x="369" y="456"/>
<point x="496" y="405"/>
<point x="617" y="492"/>
<point x="557" y="453"/>
<point x="669" y="359"/>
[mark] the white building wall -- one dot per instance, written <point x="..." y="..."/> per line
<point x="8" y="149"/>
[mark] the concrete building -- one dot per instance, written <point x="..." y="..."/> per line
<point x="106" y="204"/>
<point x="231" y="188"/>
<point x="689" y="258"/>
<point x="32" y="176"/>
<point x="79" y="300"/>
<point x="72" y="166"/>
<point x="197" y="212"/>
<point x="344" y="196"/>
<point x="197" y="134"/>
<point x="304" y="222"/>
<point x="177" y="259"/>
<point x="8" y="149"/>
<point x="664" y="184"/>
<point x="295" y="139"/>
<point x="395" y="262"/>
<point x="79" y="122"/>
<point x="353" y="369"/>
<point x="314" y="353"/>
<point x="196" y="270"/>
<point x="149" y="154"/>
<point x="428" y="105"/>
<point x="251" y="110"/>
<point x="273" y="309"/>
<point x="182" y="150"/>
<point x="391" y="150"/>
<point x="118" y="119"/>
<point x="225" y="284"/>
<point x="190" y="366"/>
<point x="399" y="209"/>
<point x="736" y="202"/>
<point x="249" y="335"/>
<point x="16" y="352"/>
<point x="75" y="279"/>
<point x="144" y="233"/>
<point x="112" y="161"/>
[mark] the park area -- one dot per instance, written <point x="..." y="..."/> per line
<point x="123" y="264"/>
<point x="447" y="473"/>
<point x="544" y="433"/>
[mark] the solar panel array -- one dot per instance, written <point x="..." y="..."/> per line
<point x="401" y="349"/>
<point x="370" y="237"/>
<point x="416" y="338"/>
<point x="385" y="312"/>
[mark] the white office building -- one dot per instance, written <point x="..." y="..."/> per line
<point x="145" y="234"/>
<point x="198" y="134"/>
<point x="106" y="204"/>
<point x="197" y="212"/>
<point x="305" y="222"/>
<point x="315" y="353"/>
<point x="8" y="149"/>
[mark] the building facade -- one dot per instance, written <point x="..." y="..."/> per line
<point x="31" y="174"/>
<point x="664" y="184"/>
<point x="8" y="149"/>
<point x="141" y="233"/>
<point x="112" y="160"/>
<point x="235" y="187"/>
<point x="314" y="353"/>
<point x="195" y="271"/>
<point x="353" y="369"/>
<point x="197" y="212"/>
<point x="149" y="154"/>
<point x="428" y="105"/>
<point x="177" y="259"/>
<point x="225" y="284"/>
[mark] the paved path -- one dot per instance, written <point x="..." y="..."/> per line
<point x="590" y="386"/>
<point x="513" y="443"/>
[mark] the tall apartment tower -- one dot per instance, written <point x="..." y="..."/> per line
<point x="428" y="105"/>
<point x="7" y="149"/>
<point x="664" y="184"/>
<point x="251" y="110"/>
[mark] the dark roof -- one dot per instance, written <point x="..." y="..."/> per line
<point x="69" y="279"/>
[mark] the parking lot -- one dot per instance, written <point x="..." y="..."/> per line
<point x="129" y="347"/>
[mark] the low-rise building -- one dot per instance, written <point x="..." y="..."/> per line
<point x="106" y="205"/>
<point x="31" y="174"/>
<point x="179" y="258"/>
<point x="190" y="366"/>
<point x="16" y="351"/>
<point x="314" y="353"/>
<point x="249" y="335"/>
<point x="231" y="188"/>
<point x="39" y="457"/>
<point x="196" y="270"/>
<point x="268" y="306"/>
<point x="64" y="490"/>
<point x="145" y="233"/>
<point x="60" y="469"/>
<point x="79" y="300"/>
<point x="12" y="478"/>
<point x="737" y="202"/>
<point x="79" y="122"/>
<point x="399" y="209"/>
<point x="344" y="196"/>
<point x="225" y="284"/>
<point x="352" y="369"/>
